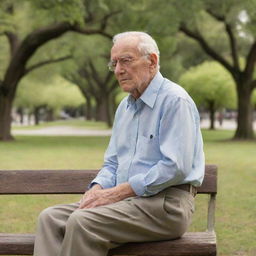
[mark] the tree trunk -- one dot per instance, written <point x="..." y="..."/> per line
<point x="21" y="113"/>
<point x="88" y="112"/>
<point x="49" y="115"/>
<point x="37" y="115"/>
<point x="5" y="117"/>
<point x="212" y="114"/>
<point x="245" y="109"/>
<point x="103" y="111"/>
<point x="108" y="111"/>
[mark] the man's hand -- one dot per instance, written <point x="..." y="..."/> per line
<point x="97" y="196"/>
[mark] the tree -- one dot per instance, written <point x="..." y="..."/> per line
<point x="99" y="87"/>
<point x="236" y="20"/>
<point x="211" y="86"/>
<point x="88" y="70"/>
<point x="61" y="16"/>
<point x="52" y="94"/>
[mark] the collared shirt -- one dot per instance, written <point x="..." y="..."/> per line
<point x="156" y="141"/>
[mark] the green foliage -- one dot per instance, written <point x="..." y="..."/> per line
<point x="56" y="10"/>
<point x="55" y="93"/>
<point x="210" y="82"/>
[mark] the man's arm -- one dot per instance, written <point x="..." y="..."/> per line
<point x="107" y="175"/>
<point x="97" y="196"/>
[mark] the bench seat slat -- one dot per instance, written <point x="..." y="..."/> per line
<point x="70" y="181"/>
<point x="191" y="244"/>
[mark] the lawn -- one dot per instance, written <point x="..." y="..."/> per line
<point x="236" y="200"/>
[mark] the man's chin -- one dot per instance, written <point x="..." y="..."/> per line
<point x="125" y="87"/>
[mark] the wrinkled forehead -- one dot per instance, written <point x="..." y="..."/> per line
<point x="125" y="46"/>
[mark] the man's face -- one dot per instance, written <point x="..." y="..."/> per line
<point x="132" y="70"/>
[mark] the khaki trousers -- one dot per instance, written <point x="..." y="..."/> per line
<point x="64" y="230"/>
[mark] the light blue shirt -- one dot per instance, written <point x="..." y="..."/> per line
<point x="156" y="141"/>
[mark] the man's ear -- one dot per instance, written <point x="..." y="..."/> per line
<point x="153" y="60"/>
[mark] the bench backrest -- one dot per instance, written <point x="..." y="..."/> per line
<point x="71" y="181"/>
<point x="77" y="181"/>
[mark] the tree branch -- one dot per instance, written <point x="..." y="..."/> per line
<point x="94" y="74"/>
<point x="108" y="78"/>
<point x="103" y="24"/>
<point x="85" y="75"/>
<point x="207" y="48"/>
<point x="231" y="36"/>
<point x="104" y="21"/>
<point x="85" y="31"/>
<point x="250" y="61"/>
<point x="40" y="36"/>
<point x="13" y="41"/>
<point x="43" y="63"/>
<point x="253" y="84"/>
<point x="112" y="87"/>
<point x="109" y="75"/>
<point x="74" y="79"/>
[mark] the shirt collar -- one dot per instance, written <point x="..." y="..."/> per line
<point x="150" y="94"/>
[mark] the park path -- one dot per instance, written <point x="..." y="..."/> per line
<point x="62" y="131"/>
<point x="76" y="131"/>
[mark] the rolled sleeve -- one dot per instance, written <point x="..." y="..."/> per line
<point x="138" y="184"/>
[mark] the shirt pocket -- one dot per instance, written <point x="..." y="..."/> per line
<point x="148" y="148"/>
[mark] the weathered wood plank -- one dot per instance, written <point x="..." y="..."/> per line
<point x="210" y="180"/>
<point x="191" y="244"/>
<point x="16" y="244"/>
<point x="45" y="181"/>
<point x="70" y="181"/>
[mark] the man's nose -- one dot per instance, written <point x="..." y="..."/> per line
<point x="119" y="69"/>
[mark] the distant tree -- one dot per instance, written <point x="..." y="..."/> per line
<point x="225" y="30"/>
<point x="88" y="70"/>
<point x="211" y="86"/>
<point x="100" y="88"/>
<point x="52" y="96"/>
<point x="51" y="19"/>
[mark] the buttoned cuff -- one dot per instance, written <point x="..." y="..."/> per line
<point x="138" y="184"/>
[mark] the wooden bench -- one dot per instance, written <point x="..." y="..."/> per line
<point x="74" y="182"/>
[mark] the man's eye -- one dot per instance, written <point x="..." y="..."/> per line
<point x="125" y="60"/>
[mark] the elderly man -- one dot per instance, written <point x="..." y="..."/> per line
<point x="153" y="164"/>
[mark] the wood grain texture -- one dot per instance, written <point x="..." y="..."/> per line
<point x="70" y="181"/>
<point x="191" y="244"/>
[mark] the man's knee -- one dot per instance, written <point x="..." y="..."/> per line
<point x="80" y="219"/>
<point x="47" y="214"/>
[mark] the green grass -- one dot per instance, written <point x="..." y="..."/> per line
<point x="236" y="200"/>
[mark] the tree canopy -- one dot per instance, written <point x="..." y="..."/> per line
<point x="211" y="86"/>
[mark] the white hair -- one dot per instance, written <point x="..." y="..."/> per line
<point x="146" y="45"/>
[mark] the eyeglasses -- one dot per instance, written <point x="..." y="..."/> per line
<point x="124" y="61"/>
